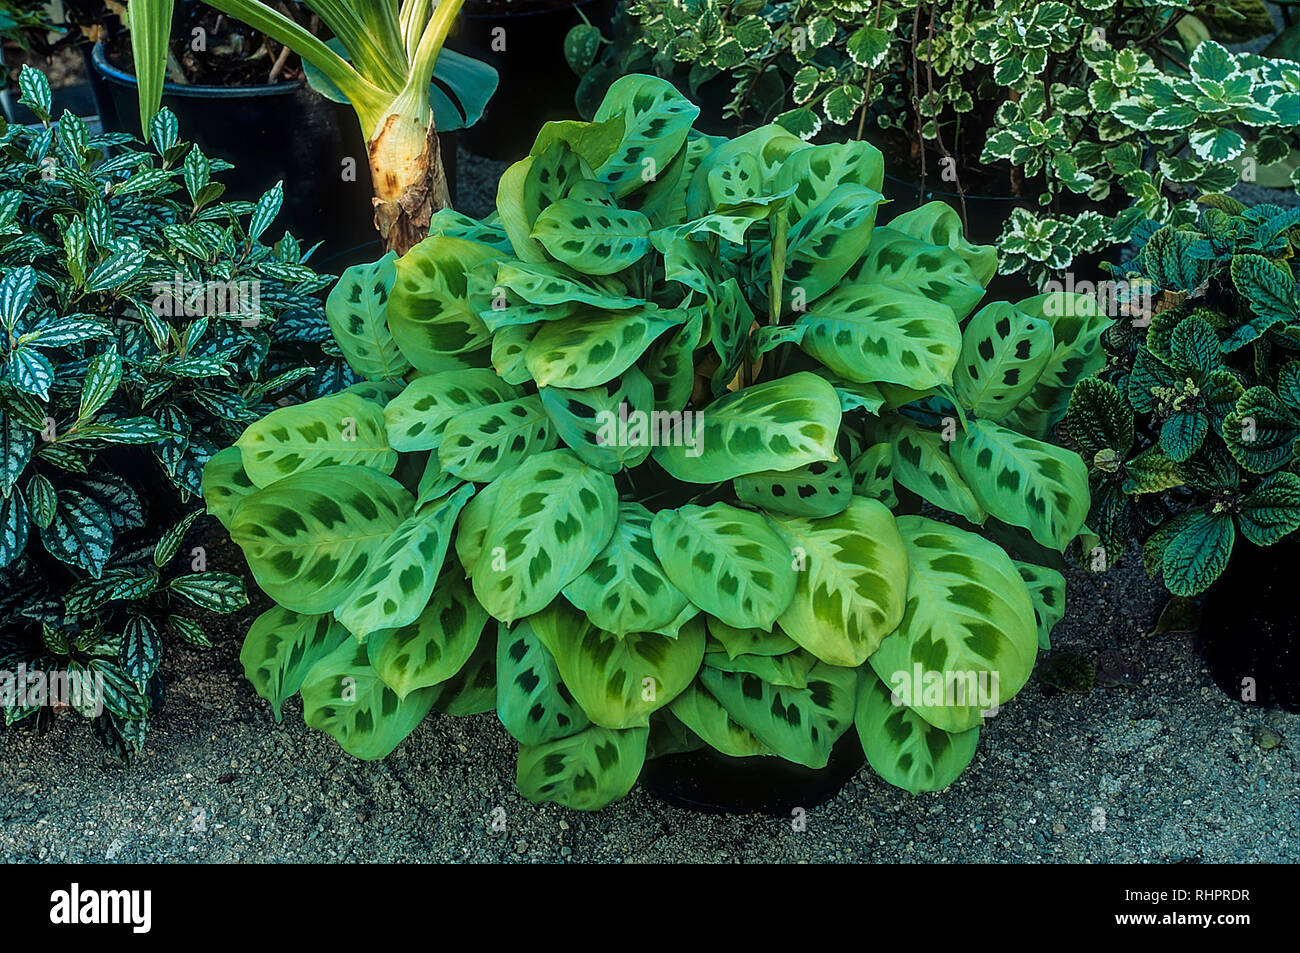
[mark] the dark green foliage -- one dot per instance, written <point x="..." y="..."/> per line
<point x="112" y="398"/>
<point x="1190" y="430"/>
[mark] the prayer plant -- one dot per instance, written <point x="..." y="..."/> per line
<point x="642" y="461"/>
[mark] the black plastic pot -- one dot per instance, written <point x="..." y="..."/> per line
<point x="279" y="132"/>
<point x="714" y="783"/>
<point x="535" y="84"/>
<point x="78" y="99"/>
<point x="1250" y="625"/>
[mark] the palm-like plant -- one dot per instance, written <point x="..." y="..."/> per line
<point x="389" y="49"/>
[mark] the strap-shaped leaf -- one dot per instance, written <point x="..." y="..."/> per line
<point x="532" y="702"/>
<point x="619" y="681"/>
<point x="1047" y="592"/>
<point x="588" y="351"/>
<point x="815" y="489"/>
<point x="594" y="239"/>
<point x="282" y="646"/>
<point x="225" y="484"/>
<point x="775" y="425"/>
<point x="436" y="645"/>
<point x="584" y="771"/>
<point x="310" y="538"/>
<point x="342" y="430"/>
<point x="699" y="711"/>
<point x="344" y="697"/>
<point x="1024" y="482"/>
<point x="400" y="579"/>
<point x="727" y="561"/>
<point x="799" y="724"/>
<point x="608" y="426"/>
<point x="1002" y="353"/>
<point x="357" y="313"/>
<point x="550" y="518"/>
<point x="656" y="119"/>
<point x="416" y="418"/>
<point x="873" y="333"/>
<point x="922" y="462"/>
<point x="904" y="748"/>
<point x="969" y="617"/>
<point x="487" y="442"/>
<point x="429" y="314"/>
<point x="625" y="589"/>
<point x="851" y="582"/>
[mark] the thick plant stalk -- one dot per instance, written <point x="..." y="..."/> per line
<point x="408" y="179"/>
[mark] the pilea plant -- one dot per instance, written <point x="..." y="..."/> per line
<point x="1078" y="102"/>
<point x="1190" y="430"/>
<point x="640" y="466"/>
<point x="118" y="381"/>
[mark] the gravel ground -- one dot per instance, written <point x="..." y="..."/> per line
<point x="1165" y="770"/>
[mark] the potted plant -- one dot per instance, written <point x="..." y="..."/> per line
<point x="145" y="323"/>
<point x="1045" y="120"/>
<point x="384" y="60"/>
<point x="524" y="41"/>
<point x="1190" y="429"/>
<point x="643" y="464"/>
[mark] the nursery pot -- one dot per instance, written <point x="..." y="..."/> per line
<point x="280" y="132"/>
<point x="524" y="41"/>
<point x="1250" y="625"/>
<point x="714" y="783"/>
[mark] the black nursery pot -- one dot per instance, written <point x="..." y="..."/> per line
<point x="714" y="783"/>
<point x="1250" y="625"/>
<point x="279" y="132"/>
<point x="535" y="83"/>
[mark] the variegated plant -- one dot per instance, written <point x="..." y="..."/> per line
<point x="628" y="463"/>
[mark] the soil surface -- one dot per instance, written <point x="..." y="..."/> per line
<point x="1167" y="769"/>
